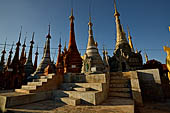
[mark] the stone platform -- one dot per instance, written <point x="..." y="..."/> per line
<point x="50" y="106"/>
<point x="11" y="99"/>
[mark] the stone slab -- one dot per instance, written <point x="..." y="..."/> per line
<point x="82" y="89"/>
<point x="119" y="94"/>
<point x="34" y="83"/>
<point x="150" y="79"/>
<point x="71" y="101"/>
<point x="13" y="98"/>
<point x="119" y="89"/>
<point x="94" y="86"/>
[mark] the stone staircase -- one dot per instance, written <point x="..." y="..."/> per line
<point x="37" y="85"/>
<point x="119" y="86"/>
<point x="79" y="93"/>
<point x="76" y="90"/>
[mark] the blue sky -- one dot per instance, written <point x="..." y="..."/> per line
<point x="148" y="21"/>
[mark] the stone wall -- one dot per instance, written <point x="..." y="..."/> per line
<point x="150" y="84"/>
<point x="52" y="84"/>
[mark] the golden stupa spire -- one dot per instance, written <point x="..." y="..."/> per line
<point x="116" y="12"/>
<point x="130" y="40"/>
<point x="136" y="50"/>
<point x="146" y="57"/>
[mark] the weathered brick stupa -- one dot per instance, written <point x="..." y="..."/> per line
<point x="72" y="58"/>
<point x="15" y="70"/>
<point x="92" y="62"/>
<point x="2" y="61"/>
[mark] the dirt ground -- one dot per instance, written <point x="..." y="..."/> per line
<point x="154" y="107"/>
<point x="50" y="106"/>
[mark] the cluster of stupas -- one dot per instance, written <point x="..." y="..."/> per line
<point x="15" y="71"/>
<point x="88" y="79"/>
<point x="18" y="71"/>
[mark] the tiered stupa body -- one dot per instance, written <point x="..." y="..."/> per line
<point x="92" y="62"/>
<point x="46" y="60"/>
<point x="10" y="56"/>
<point x="122" y="45"/>
<point x="28" y="67"/>
<point x="23" y="53"/>
<point x="124" y="58"/>
<point x="72" y="58"/>
<point x="16" y="70"/>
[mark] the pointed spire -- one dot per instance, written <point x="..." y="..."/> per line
<point x="90" y="26"/>
<point x="121" y="35"/>
<point x="3" y="55"/>
<point x="16" y="56"/>
<point x="28" y="67"/>
<point x="31" y="47"/>
<point x="10" y="56"/>
<point x="25" y="40"/>
<point x="23" y="53"/>
<point x="124" y="34"/>
<point x="136" y="50"/>
<point x="91" y="41"/>
<point x="46" y="59"/>
<point x="146" y="57"/>
<point x="130" y="40"/>
<point x="36" y="53"/>
<point x="71" y="17"/>
<point x="23" y="57"/>
<point x="103" y="50"/>
<point x="72" y="56"/>
<point x="59" y="60"/>
<point x="72" y="42"/>
<point x="49" y="30"/>
<point x="92" y="54"/>
<point x="60" y="41"/>
<point x="65" y="48"/>
<point x="36" y="59"/>
<point x="32" y="41"/>
<point x="116" y="12"/>
<point x="18" y="43"/>
<point x="3" y="52"/>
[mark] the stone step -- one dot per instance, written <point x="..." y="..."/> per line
<point x="93" y="86"/>
<point x="119" y="85"/>
<point x="119" y="89"/>
<point x="71" y="101"/>
<point x="119" y="94"/>
<point x="43" y="77"/>
<point x="118" y="77"/>
<point x="49" y="76"/>
<point x="22" y="91"/>
<point x="82" y="89"/>
<point x="26" y="87"/>
<point x="34" y="83"/>
<point x="121" y="81"/>
<point x="40" y="80"/>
